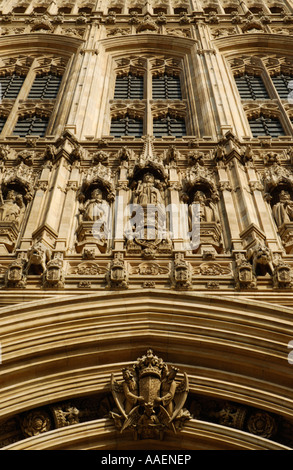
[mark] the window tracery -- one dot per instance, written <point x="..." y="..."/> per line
<point x="28" y="78"/>
<point x="148" y="88"/>
<point x="260" y="78"/>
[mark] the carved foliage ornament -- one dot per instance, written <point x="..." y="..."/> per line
<point x="149" y="399"/>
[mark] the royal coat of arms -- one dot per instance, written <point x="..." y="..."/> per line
<point x="149" y="399"/>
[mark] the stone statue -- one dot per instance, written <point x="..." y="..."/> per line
<point x="207" y="209"/>
<point x="283" y="210"/>
<point x="146" y="192"/>
<point x="93" y="209"/>
<point x="12" y="208"/>
<point x="130" y="389"/>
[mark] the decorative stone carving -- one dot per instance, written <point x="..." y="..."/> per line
<point x="65" y="414"/>
<point x="212" y="269"/>
<point x="35" y="422"/>
<point x="244" y="275"/>
<point x="181" y="276"/>
<point x="283" y="210"/>
<point x="282" y="276"/>
<point x="12" y="207"/>
<point x="262" y="424"/>
<point x="53" y="276"/>
<point x="147" y="24"/>
<point x="231" y="415"/>
<point x="117" y="277"/>
<point x="149" y="400"/>
<point x="261" y="258"/>
<point x="15" y="275"/>
<point x="38" y="256"/>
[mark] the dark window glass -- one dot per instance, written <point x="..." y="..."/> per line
<point x="31" y="125"/>
<point x="281" y="83"/>
<point x="126" y="126"/>
<point x="266" y="126"/>
<point x="251" y="87"/>
<point x="166" y="87"/>
<point x="10" y="86"/>
<point x="129" y="87"/>
<point x="45" y="87"/>
<point x="169" y="126"/>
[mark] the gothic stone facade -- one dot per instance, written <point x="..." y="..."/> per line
<point x="110" y="105"/>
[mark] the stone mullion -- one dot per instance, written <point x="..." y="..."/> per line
<point x="119" y="206"/>
<point x="38" y="207"/>
<point x="148" y="126"/>
<point x="84" y="68"/>
<point x="53" y="211"/>
<point x="22" y="95"/>
<point x="174" y="185"/>
<point x="67" y="220"/>
<point x="232" y="228"/>
<point x="219" y="81"/>
<point x="242" y="190"/>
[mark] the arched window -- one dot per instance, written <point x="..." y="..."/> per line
<point x="267" y="80"/>
<point x="155" y="82"/>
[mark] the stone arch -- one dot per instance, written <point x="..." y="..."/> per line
<point x="187" y="329"/>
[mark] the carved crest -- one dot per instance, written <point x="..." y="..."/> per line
<point x="149" y="399"/>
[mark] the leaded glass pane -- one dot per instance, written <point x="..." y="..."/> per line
<point x="45" y="87"/>
<point x="251" y="87"/>
<point x="281" y="83"/>
<point x="166" y="87"/>
<point x="10" y="86"/>
<point x="266" y="126"/>
<point x="129" y="87"/>
<point x="126" y="126"/>
<point x="31" y="125"/>
<point x="169" y="126"/>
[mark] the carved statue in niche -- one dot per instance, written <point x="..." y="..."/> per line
<point x="204" y="222"/>
<point x="283" y="210"/>
<point x="92" y="232"/>
<point x="208" y="211"/>
<point x="150" y="400"/>
<point x="12" y="207"/>
<point x="146" y="192"/>
<point x="92" y="208"/>
<point x="148" y="230"/>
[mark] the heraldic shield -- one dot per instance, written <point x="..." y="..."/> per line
<point x="149" y="400"/>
